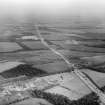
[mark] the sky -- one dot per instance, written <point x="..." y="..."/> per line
<point x="53" y="8"/>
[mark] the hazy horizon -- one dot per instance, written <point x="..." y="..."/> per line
<point x="53" y="9"/>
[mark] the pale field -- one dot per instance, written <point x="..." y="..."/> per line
<point x="72" y="87"/>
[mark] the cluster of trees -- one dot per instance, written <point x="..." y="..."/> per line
<point x="91" y="99"/>
<point x="55" y="99"/>
<point x="52" y="98"/>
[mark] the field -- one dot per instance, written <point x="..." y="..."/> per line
<point x="82" y="44"/>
